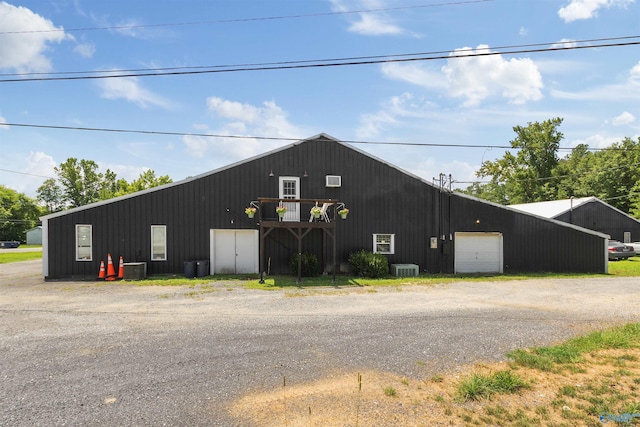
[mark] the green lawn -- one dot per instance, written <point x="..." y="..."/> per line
<point x="8" y="257"/>
<point x="626" y="268"/>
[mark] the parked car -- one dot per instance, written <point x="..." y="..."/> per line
<point x="635" y="246"/>
<point x="619" y="250"/>
<point x="9" y="244"/>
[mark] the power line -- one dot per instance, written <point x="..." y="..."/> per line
<point x="240" y="20"/>
<point x="28" y="174"/>
<point x="549" y="178"/>
<point x="456" y="54"/>
<point x="272" y="138"/>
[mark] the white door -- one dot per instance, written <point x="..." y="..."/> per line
<point x="290" y="189"/>
<point x="478" y="253"/>
<point x="234" y="251"/>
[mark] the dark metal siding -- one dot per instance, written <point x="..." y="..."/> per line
<point x="532" y="244"/>
<point x="381" y="198"/>
<point x="603" y="218"/>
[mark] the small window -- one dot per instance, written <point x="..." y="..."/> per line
<point x="333" y="181"/>
<point x="84" y="245"/>
<point x="627" y="237"/>
<point x="383" y="243"/>
<point x="158" y="242"/>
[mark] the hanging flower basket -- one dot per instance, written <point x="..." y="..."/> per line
<point x="343" y="213"/>
<point x="316" y="212"/>
<point x="281" y="210"/>
<point x="250" y="211"/>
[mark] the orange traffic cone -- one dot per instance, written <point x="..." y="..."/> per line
<point x="121" y="269"/>
<point x="102" y="272"/>
<point x="111" y="273"/>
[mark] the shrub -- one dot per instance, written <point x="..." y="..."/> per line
<point x="367" y="264"/>
<point x="309" y="264"/>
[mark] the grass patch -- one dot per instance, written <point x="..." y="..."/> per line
<point x="479" y="386"/>
<point x="390" y="391"/>
<point x="548" y="358"/>
<point x="7" y="257"/>
<point x="625" y="268"/>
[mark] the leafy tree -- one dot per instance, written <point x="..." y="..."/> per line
<point x="526" y="176"/>
<point x="536" y="173"/>
<point x="80" y="180"/>
<point x="146" y="180"/>
<point x="51" y="195"/>
<point x="18" y="213"/>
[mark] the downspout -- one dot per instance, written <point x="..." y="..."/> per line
<point x="571" y="211"/>
<point x="45" y="248"/>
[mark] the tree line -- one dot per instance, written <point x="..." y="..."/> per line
<point x="78" y="183"/>
<point x="532" y="171"/>
<point x="536" y="173"/>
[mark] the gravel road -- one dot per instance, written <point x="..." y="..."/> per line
<point x="85" y="353"/>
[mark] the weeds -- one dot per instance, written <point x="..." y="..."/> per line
<point x="478" y="386"/>
<point x="390" y="391"/>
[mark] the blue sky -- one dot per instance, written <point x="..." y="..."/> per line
<point x="465" y="99"/>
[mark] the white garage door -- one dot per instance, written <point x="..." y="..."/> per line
<point x="234" y="251"/>
<point x="478" y="253"/>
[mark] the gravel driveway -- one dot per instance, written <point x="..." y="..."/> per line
<point x="85" y="353"/>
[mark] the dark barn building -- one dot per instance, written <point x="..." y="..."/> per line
<point x="410" y="220"/>
<point x="591" y="213"/>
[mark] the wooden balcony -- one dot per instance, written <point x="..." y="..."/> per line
<point x="299" y="221"/>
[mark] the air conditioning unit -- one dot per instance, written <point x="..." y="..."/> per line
<point x="333" y="181"/>
<point x="405" y="270"/>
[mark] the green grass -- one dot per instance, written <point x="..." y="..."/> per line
<point x="390" y="392"/>
<point x="625" y="268"/>
<point x="571" y="351"/>
<point x="478" y="386"/>
<point x="8" y="257"/>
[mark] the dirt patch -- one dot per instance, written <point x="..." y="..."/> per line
<point x="568" y="397"/>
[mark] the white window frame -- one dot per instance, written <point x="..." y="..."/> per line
<point x="293" y="209"/>
<point x="79" y="256"/>
<point x="160" y="256"/>
<point x="376" y="243"/>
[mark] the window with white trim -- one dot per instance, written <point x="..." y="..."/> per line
<point x="84" y="243"/>
<point x="158" y="243"/>
<point x="383" y="243"/>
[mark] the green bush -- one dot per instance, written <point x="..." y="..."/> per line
<point x="367" y="264"/>
<point x="309" y="264"/>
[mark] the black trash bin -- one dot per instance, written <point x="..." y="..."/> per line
<point x="190" y="269"/>
<point x="202" y="268"/>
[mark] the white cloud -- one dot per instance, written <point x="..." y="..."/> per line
<point x="475" y="78"/>
<point x="39" y="163"/>
<point x="634" y="73"/>
<point x="478" y="77"/>
<point x="596" y="141"/>
<point x="35" y="168"/>
<point x="85" y="49"/>
<point x="624" y="119"/>
<point x="415" y="74"/>
<point x="129" y="89"/>
<point x="30" y="35"/>
<point x="587" y="9"/>
<point x="523" y="31"/>
<point x="613" y="92"/>
<point x="371" y="23"/>
<point x="2" y="123"/>
<point x="393" y="113"/>
<point x="564" y="43"/>
<point x="241" y="119"/>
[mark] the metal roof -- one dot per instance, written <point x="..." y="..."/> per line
<point x="553" y="208"/>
